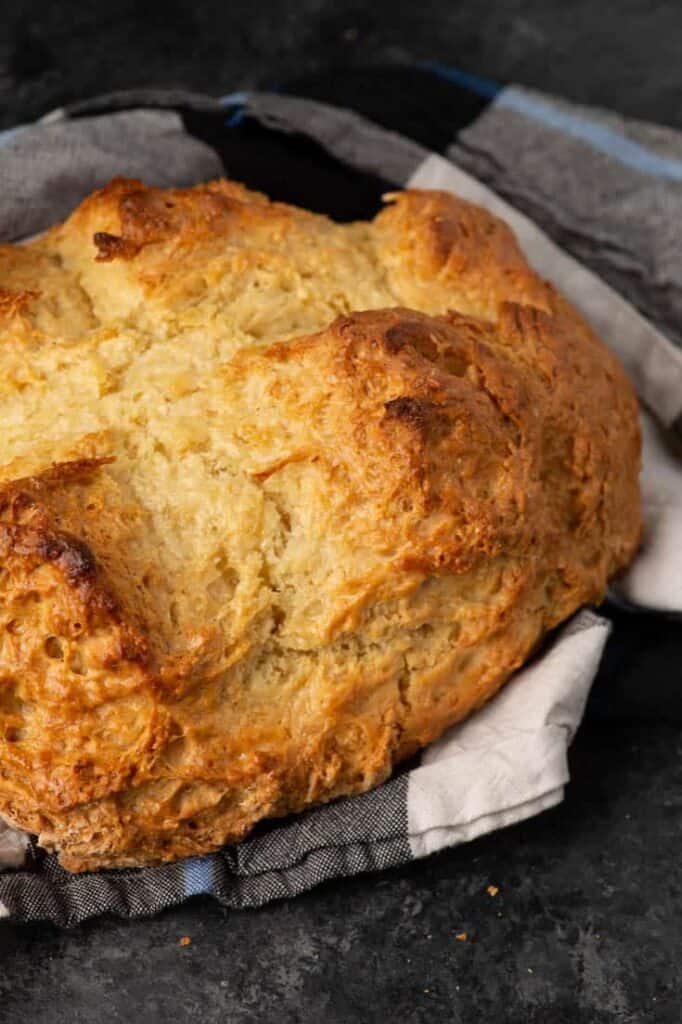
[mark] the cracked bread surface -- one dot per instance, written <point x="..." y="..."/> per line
<point x="280" y="501"/>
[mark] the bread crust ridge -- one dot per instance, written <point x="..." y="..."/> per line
<point x="281" y="500"/>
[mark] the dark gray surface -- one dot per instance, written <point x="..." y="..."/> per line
<point x="585" y="927"/>
<point x="623" y="54"/>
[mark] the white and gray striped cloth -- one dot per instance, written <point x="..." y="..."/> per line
<point x="610" y="192"/>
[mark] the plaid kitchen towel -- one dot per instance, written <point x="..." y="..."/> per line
<point x="609" y="192"/>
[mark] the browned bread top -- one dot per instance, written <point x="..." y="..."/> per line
<point x="280" y="501"/>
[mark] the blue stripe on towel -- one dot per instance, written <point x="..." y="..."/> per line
<point x="238" y="101"/>
<point x="596" y="135"/>
<point x="474" y="83"/>
<point x="234" y="99"/>
<point x="9" y="133"/>
<point x="198" y="872"/>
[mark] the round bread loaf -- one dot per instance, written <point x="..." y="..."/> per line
<point x="280" y="501"/>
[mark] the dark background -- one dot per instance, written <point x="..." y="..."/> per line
<point x="626" y="55"/>
<point x="586" y="926"/>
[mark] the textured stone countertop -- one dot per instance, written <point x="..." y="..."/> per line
<point x="584" y="926"/>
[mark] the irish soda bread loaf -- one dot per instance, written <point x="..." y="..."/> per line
<point x="280" y="501"/>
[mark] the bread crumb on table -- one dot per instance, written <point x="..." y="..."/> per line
<point x="185" y="940"/>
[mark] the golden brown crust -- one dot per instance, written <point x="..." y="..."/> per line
<point x="443" y="252"/>
<point x="280" y="501"/>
